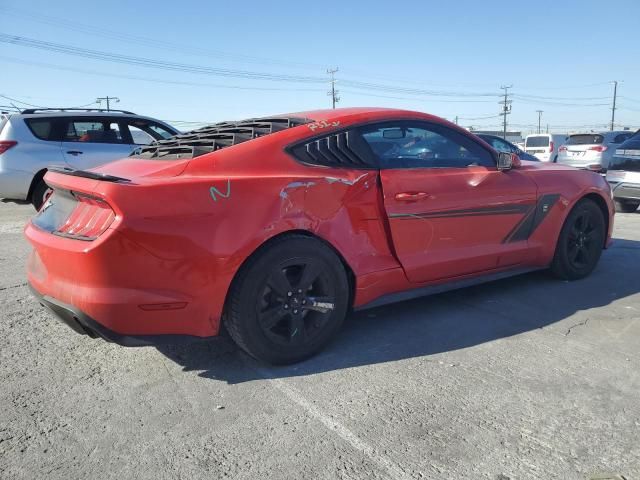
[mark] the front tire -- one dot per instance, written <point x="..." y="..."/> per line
<point x="580" y="242"/>
<point x="288" y="301"/>
<point x="626" y="206"/>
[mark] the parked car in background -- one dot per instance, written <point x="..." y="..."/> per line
<point x="544" y="146"/>
<point x="35" y="139"/>
<point x="277" y="227"/>
<point x="501" y="145"/>
<point x="591" y="151"/>
<point x="624" y="174"/>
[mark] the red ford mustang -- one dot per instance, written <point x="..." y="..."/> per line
<point x="277" y="227"/>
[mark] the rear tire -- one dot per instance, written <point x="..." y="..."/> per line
<point x="288" y="301"/>
<point x="580" y="242"/>
<point x="39" y="194"/>
<point x="626" y="206"/>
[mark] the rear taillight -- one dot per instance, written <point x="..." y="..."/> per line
<point x="562" y="149"/>
<point x="6" y="145"/>
<point x="551" y="146"/>
<point x="89" y="219"/>
<point x="598" y="148"/>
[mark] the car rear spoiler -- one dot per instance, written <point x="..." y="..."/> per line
<point x="87" y="174"/>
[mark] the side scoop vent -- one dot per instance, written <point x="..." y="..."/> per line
<point x="344" y="149"/>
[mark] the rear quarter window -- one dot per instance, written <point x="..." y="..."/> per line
<point x="41" y="128"/>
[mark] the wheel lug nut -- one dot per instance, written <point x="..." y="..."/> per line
<point x="289" y="294"/>
<point x="295" y="311"/>
<point x="286" y="306"/>
<point x="304" y="302"/>
<point x="299" y="291"/>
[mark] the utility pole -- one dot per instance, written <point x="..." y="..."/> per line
<point x="613" y="107"/>
<point x="333" y="93"/>
<point x="506" y="109"/>
<point x="539" y="118"/>
<point x="108" y="99"/>
<point x="456" y="119"/>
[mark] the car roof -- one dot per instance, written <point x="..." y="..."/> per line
<point x="58" y="113"/>
<point x="360" y="113"/>
<point x="88" y="114"/>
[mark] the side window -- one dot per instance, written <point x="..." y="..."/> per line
<point x="41" y="128"/>
<point x="418" y="145"/>
<point x="144" y="132"/>
<point x="93" y="131"/>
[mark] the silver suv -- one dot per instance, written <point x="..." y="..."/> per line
<point x="33" y="140"/>
<point x="591" y="151"/>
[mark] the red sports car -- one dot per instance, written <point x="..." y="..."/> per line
<point x="277" y="227"/>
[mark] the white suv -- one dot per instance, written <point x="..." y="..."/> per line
<point x="33" y="140"/>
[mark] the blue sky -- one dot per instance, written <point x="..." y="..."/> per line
<point x="446" y="58"/>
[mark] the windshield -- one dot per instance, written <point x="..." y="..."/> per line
<point x="585" y="139"/>
<point x="541" y="141"/>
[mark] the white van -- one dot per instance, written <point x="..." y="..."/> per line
<point x="544" y="145"/>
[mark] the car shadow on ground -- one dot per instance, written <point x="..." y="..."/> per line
<point x="439" y="323"/>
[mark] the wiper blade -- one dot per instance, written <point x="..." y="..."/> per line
<point x="86" y="174"/>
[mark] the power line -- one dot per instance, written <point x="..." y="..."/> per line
<point x="540" y="97"/>
<point x="155" y="80"/>
<point x="152" y="63"/>
<point x="393" y="97"/>
<point x="224" y="72"/>
<point x="21" y="102"/>
<point x="147" y="41"/>
<point x="560" y="104"/>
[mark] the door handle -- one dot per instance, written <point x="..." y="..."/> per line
<point x="74" y="152"/>
<point x="411" y="196"/>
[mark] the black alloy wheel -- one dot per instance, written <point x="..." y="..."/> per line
<point x="288" y="300"/>
<point x="581" y="241"/>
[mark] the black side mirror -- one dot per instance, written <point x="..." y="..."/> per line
<point x="505" y="161"/>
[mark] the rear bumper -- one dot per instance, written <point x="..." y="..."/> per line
<point x="113" y="289"/>
<point x="83" y="324"/>
<point x="594" y="164"/>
